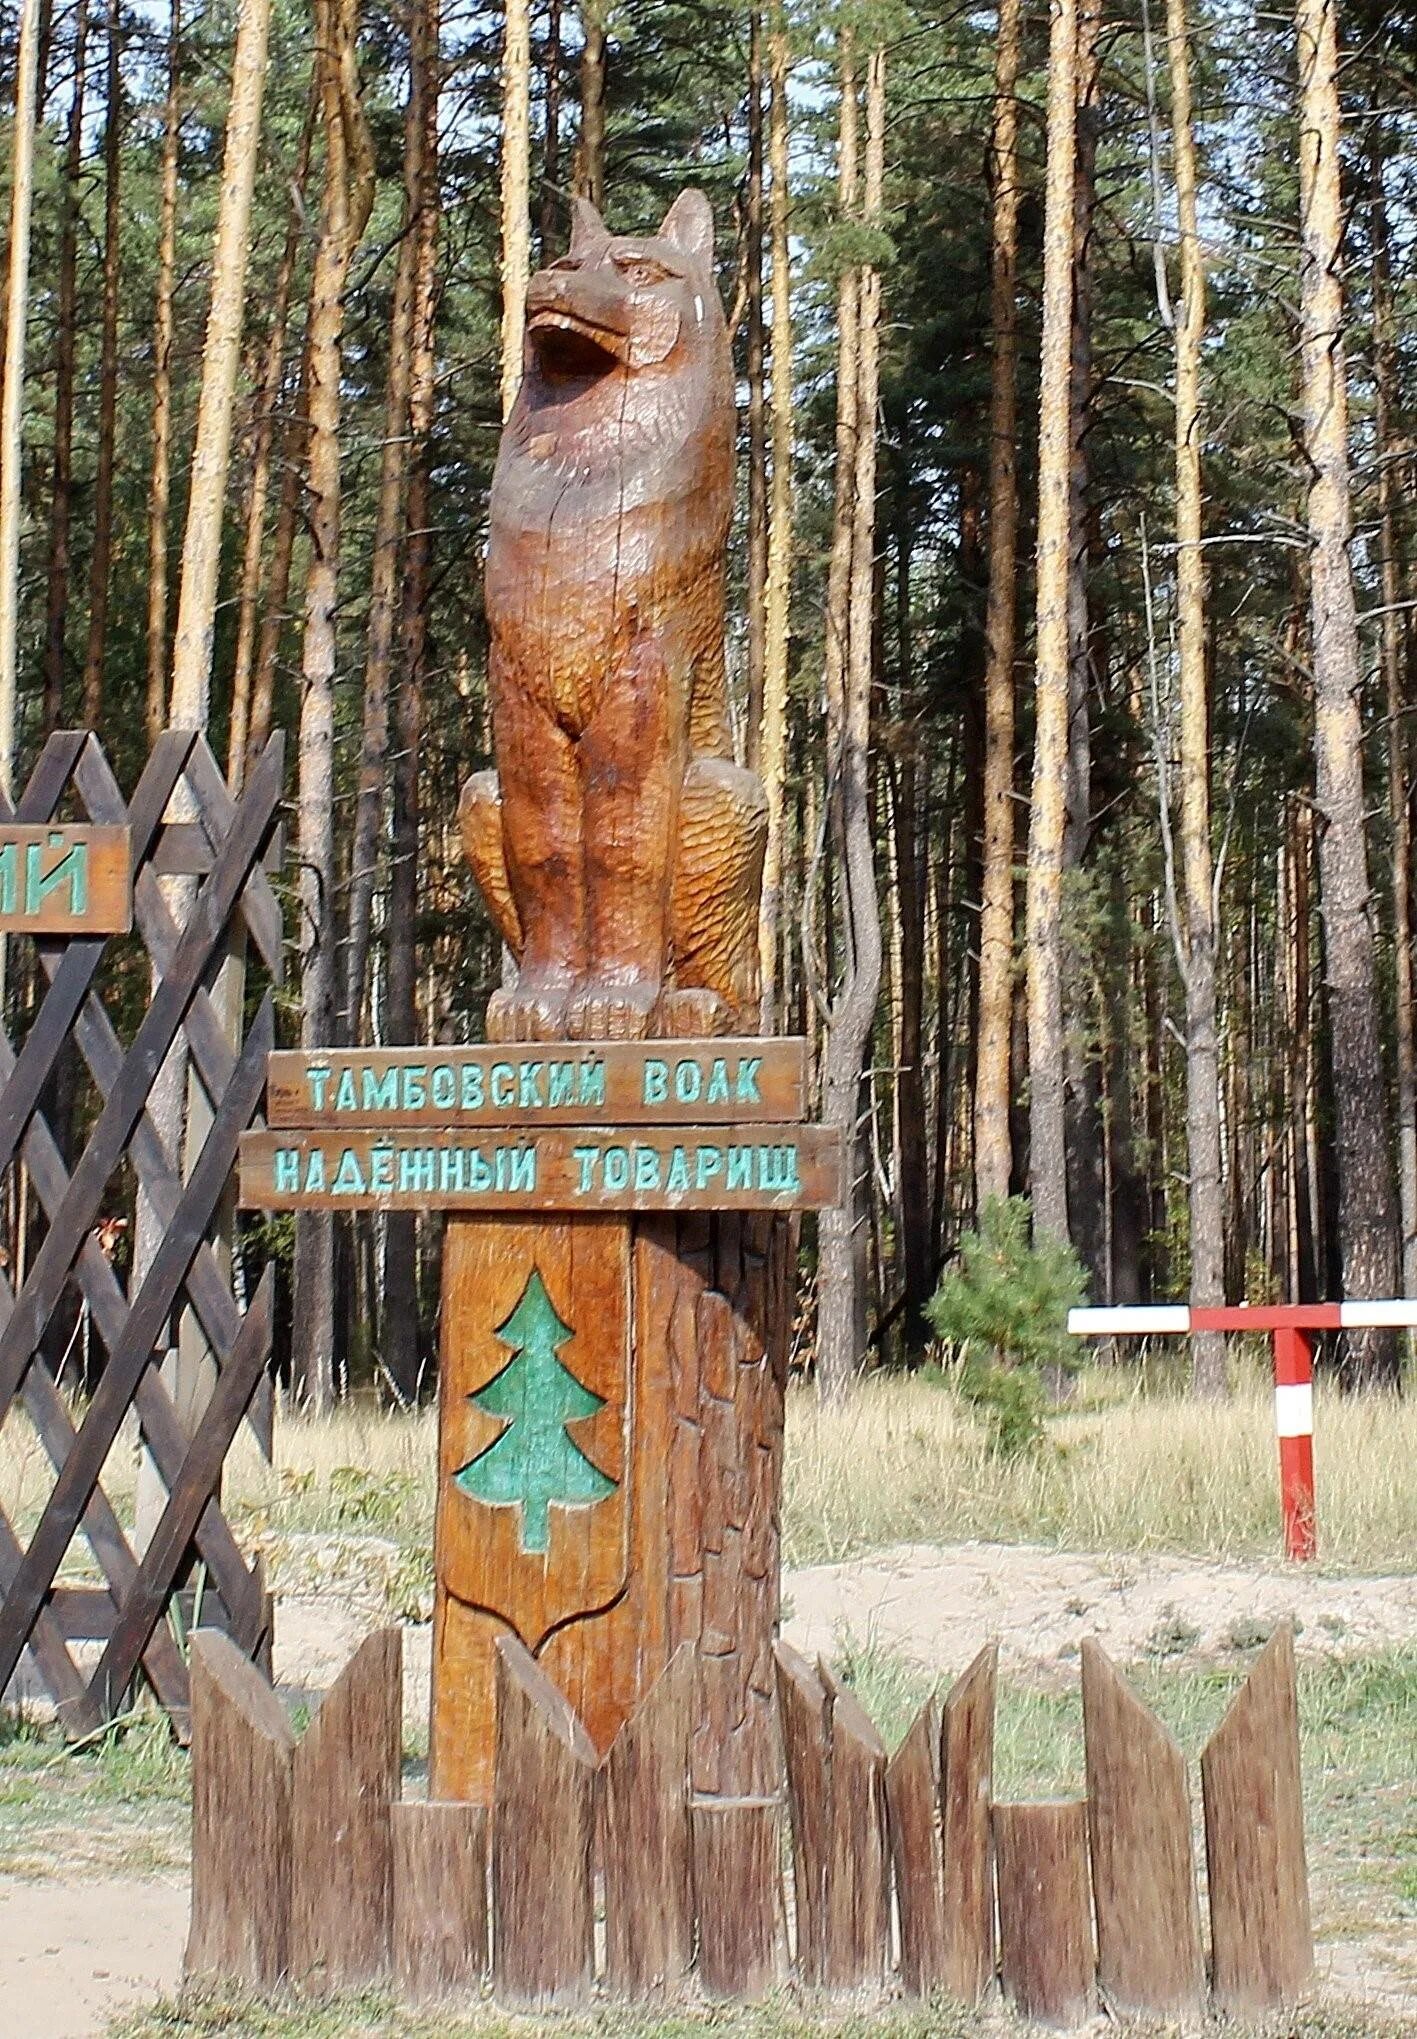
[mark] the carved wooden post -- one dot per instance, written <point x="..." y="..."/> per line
<point x="616" y="1280"/>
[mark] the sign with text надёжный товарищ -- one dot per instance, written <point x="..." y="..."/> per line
<point x="558" y="1168"/>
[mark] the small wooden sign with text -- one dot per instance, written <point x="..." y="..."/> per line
<point x="729" y="1082"/>
<point x="64" y="880"/>
<point x="616" y="1168"/>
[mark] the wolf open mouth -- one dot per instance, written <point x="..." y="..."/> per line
<point x="569" y="347"/>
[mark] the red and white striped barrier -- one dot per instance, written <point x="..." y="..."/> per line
<point x="1288" y="1325"/>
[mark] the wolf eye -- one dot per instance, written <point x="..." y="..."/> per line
<point x="641" y="268"/>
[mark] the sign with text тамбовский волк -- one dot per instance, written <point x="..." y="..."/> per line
<point x="714" y="1082"/>
<point x="63" y="880"/>
<point x="558" y="1168"/>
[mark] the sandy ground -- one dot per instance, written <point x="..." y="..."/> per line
<point x="72" y="1953"/>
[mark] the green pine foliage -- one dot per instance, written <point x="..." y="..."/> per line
<point x="1004" y="1308"/>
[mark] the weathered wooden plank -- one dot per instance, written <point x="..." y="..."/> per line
<point x="1261" y="1935"/>
<point x="556" y="1168"/>
<point x="71" y="966"/>
<point x="806" y="1739"/>
<point x="647" y="1860"/>
<point x="738" y="1895"/>
<point x="65" y="878"/>
<point x="688" y="1083"/>
<point x="543" y="1835"/>
<point x="198" y="1481"/>
<point x="858" y="1883"/>
<point x="216" y="811"/>
<point x="439" y="1896"/>
<point x="242" y="1756"/>
<point x="162" y="1429"/>
<point x="966" y="1787"/>
<point x="131" y="1355"/>
<point x="47" y="1644"/>
<point x="1045" y="1914"/>
<point x="126" y="1101"/>
<point x="913" y="1814"/>
<point x="345" y="1777"/>
<point x="1143" y="1874"/>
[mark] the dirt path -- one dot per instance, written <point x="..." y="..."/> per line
<point x="74" y="1954"/>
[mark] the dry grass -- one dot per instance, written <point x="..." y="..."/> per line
<point x="1129" y="1468"/>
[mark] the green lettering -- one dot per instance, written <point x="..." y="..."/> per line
<point x="381" y="1093"/>
<point x="592" y="1083"/>
<point x="617" y="1168"/>
<point x="678" y="1171"/>
<point x="688" y="1078"/>
<point x="415" y="1087"/>
<point x="285" y="1172"/>
<point x="318" y="1078"/>
<point x="529" y="1096"/>
<point x="315" y="1171"/>
<point x="523" y="1175"/>
<point x="748" y="1068"/>
<point x="444" y="1087"/>
<point x="452" y="1170"/>
<point x="718" y="1091"/>
<point x="416" y="1170"/>
<point x="708" y="1162"/>
<point x="656" y="1081"/>
<point x="346" y="1096"/>
<point x="504" y="1085"/>
<point x="560" y="1084"/>
<point x="587" y="1157"/>
<point x="381" y="1169"/>
<point x="349" y="1176"/>
<point x="72" y="870"/>
<point x="473" y="1090"/>
<point x="740" y="1168"/>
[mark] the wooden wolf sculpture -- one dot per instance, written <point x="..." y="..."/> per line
<point x="618" y="846"/>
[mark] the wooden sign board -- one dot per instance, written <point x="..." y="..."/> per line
<point x="674" y="1168"/>
<point x="65" y="880"/>
<point x="717" y="1082"/>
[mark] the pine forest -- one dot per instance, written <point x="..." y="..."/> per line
<point x="1073" y="584"/>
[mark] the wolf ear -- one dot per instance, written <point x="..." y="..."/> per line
<point x="587" y="227"/>
<point x="688" y="226"/>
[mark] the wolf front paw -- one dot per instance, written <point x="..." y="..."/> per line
<point x="527" y="1012"/>
<point x="612" y="1012"/>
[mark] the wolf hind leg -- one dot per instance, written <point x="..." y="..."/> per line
<point x="713" y="914"/>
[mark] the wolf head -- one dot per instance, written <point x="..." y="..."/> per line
<point x="617" y="308"/>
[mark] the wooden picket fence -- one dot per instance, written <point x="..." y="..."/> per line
<point x="610" y="1875"/>
<point x="107" y="1013"/>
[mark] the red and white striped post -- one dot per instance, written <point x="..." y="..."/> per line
<point x="1294" y="1427"/>
<point x="1289" y="1326"/>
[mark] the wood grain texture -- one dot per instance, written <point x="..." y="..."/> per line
<point x="618" y="846"/>
<point x="344" y="1781"/>
<point x="64" y="879"/>
<point x="1143" y="1871"/>
<point x="646" y="1843"/>
<point x="1045" y="1913"/>
<point x="488" y="1583"/>
<point x="966" y="1789"/>
<point x="689" y="1083"/>
<point x="439" y="1897"/>
<point x="738" y="1895"/>
<point x="242" y="1754"/>
<point x="858" y="1883"/>
<point x="709" y="1313"/>
<point x="806" y="1740"/>
<point x="550" y="1168"/>
<point x="543" y="1837"/>
<point x="1261" y="1935"/>
<point x="913" y="1821"/>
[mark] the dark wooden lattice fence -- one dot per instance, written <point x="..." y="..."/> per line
<point x="154" y="990"/>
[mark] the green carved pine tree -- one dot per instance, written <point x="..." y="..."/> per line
<point x="534" y="1462"/>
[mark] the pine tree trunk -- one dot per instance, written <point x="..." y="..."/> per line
<point x="551" y="130"/>
<point x="160" y="481"/>
<point x="754" y="363"/>
<point x="12" y="390"/>
<point x="56" y="607"/>
<point x="401" y="1344"/>
<point x="1393" y="583"/>
<point x="772" y="748"/>
<point x="912" y="1124"/>
<point x="383" y="590"/>
<point x="590" y="165"/>
<point x="258" y="492"/>
<point x="190" y="704"/>
<point x="1367" y="1212"/>
<point x="1203" y="1159"/>
<point x="101" y="559"/>
<point x="344" y="214"/>
<point x="1044" y="897"/>
<point x="842" y="1230"/>
<point x="993" y="1158"/>
<point x="516" y="192"/>
<point x="276" y="612"/>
